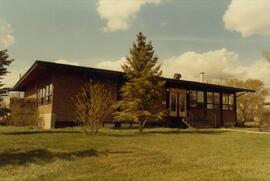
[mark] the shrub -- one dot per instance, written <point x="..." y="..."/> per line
<point x="23" y="112"/>
<point x="93" y="105"/>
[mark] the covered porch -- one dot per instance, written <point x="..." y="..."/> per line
<point x="202" y="105"/>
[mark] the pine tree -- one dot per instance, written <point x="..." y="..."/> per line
<point x="5" y="61"/>
<point x="143" y="85"/>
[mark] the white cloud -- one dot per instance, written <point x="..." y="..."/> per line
<point x="249" y="17"/>
<point x="11" y="78"/>
<point x="217" y="65"/>
<point x="63" y="61"/>
<point x="6" y="39"/>
<point x="112" y="65"/>
<point x="119" y="13"/>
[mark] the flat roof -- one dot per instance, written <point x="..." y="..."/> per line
<point x="41" y="65"/>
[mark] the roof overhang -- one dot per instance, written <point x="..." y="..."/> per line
<point x="26" y="78"/>
<point x="41" y="68"/>
<point x="204" y="86"/>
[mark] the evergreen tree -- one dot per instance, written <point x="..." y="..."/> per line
<point x="5" y="61"/>
<point x="143" y="87"/>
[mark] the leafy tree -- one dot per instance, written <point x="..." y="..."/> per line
<point x="5" y="61"/>
<point x="143" y="85"/>
<point x="93" y="104"/>
<point x="266" y="54"/>
<point x="250" y="106"/>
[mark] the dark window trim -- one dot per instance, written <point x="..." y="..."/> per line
<point x="197" y="103"/>
<point x="213" y="105"/>
<point x="44" y="94"/>
<point x="229" y="106"/>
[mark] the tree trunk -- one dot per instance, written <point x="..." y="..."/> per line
<point x="140" y="127"/>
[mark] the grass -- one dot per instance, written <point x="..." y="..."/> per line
<point x="158" y="154"/>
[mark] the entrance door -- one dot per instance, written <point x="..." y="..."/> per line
<point x="177" y="104"/>
<point x="173" y="104"/>
<point x="182" y="104"/>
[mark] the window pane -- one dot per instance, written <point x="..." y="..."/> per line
<point x="225" y="107"/>
<point x="51" y="89"/>
<point x="47" y="90"/>
<point x="216" y="98"/>
<point x="192" y="99"/>
<point x="210" y="97"/>
<point x="209" y="106"/>
<point x="225" y="98"/>
<point x="200" y="97"/>
<point x="216" y="106"/>
<point x="44" y="92"/>
<point x="40" y="93"/>
<point x="231" y="99"/>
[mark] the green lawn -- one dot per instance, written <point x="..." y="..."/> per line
<point x="158" y="154"/>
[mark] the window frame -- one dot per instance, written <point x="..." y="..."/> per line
<point x="198" y="103"/>
<point x="213" y="105"/>
<point x="228" y="105"/>
<point x="45" y="94"/>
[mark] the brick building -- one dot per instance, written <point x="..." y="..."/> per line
<point x="195" y="103"/>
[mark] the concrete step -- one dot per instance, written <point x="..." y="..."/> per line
<point x="205" y="126"/>
<point x="201" y="124"/>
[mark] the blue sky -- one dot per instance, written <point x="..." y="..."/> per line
<point x="79" y="31"/>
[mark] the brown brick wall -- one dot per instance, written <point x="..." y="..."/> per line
<point x="66" y="86"/>
<point x="196" y="114"/>
<point x="214" y="116"/>
<point x="31" y="91"/>
<point x="228" y="117"/>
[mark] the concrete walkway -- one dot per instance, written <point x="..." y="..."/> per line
<point x="245" y="131"/>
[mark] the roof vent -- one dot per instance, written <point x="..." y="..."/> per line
<point x="177" y="76"/>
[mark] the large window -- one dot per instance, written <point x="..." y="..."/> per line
<point x="45" y="94"/>
<point x="227" y="101"/>
<point x="213" y="100"/>
<point x="196" y="99"/>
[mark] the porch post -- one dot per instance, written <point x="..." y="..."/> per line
<point x="235" y="106"/>
<point x="221" y="109"/>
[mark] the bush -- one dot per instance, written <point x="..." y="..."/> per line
<point x="93" y="105"/>
<point x="264" y="120"/>
<point x="23" y="112"/>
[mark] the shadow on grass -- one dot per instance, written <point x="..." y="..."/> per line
<point x="45" y="156"/>
<point x="148" y="131"/>
<point x="39" y="132"/>
<point x="118" y="133"/>
<point x="183" y="131"/>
